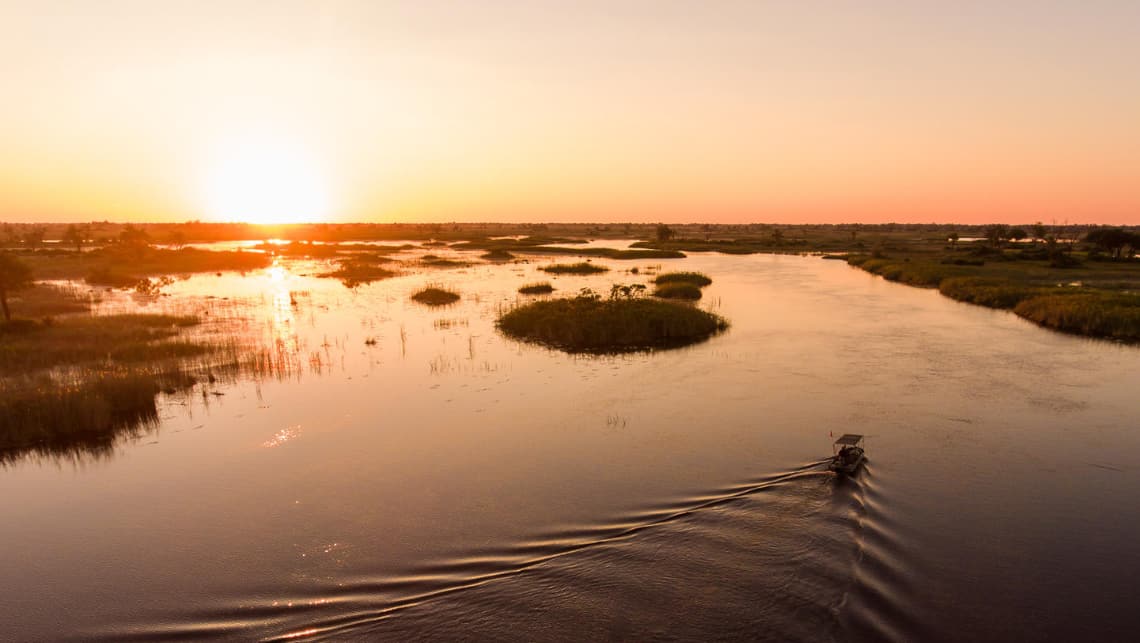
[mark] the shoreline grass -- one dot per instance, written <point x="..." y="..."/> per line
<point x="595" y="325"/>
<point x="1078" y="299"/>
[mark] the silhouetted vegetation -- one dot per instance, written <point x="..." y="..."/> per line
<point x="433" y="296"/>
<point x="497" y="254"/>
<point x="588" y="323"/>
<point x="47" y="300"/>
<point x="356" y="272"/>
<point x="442" y="262"/>
<point x="53" y="414"/>
<point x="678" y="290"/>
<point x="542" y="288"/>
<point x="581" y="268"/>
<point x="33" y="345"/>
<point x="14" y="275"/>
<point x="697" y="279"/>
<point x="123" y="266"/>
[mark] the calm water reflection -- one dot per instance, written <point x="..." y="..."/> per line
<point x="440" y="481"/>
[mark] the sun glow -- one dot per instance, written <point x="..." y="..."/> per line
<point x="265" y="181"/>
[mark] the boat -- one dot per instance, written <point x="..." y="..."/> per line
<point x="848" y="454"/>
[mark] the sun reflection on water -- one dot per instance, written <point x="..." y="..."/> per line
<point x="282" y="436"/>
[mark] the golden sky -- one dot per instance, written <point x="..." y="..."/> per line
<point x="750" y="111"/>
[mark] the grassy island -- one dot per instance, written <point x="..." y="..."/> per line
<point x="580" y="268"/>
<point x="588" y="324"/>
<point x="433" y="296"/>
<point x="357" y="272"/>
<point x="543" y="288"/>
<point x="698" y="279"/>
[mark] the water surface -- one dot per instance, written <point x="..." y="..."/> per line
<point x="417" y="475"/>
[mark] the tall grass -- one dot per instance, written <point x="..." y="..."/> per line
<point x="47" y="300"/>
<point x="993" y="293"/>
<point x="46" y="411"/>
<point x="26" y="348"/>
<point x="594" y="325"/>
<point x="1097" y="314"/>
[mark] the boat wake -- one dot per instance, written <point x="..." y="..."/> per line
<point x="798" y="555"/>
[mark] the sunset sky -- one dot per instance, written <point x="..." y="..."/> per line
<point x="748" y="111"/>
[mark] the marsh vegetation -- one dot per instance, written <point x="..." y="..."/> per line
<point x="697" y="279"/>
<point x="540" y="288"/>
<point x="580" y="268"/>
<point x="625" y="322"/>
<point x="435" y="296"/>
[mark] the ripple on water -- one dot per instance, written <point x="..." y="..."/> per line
<point x="800" y="555"/>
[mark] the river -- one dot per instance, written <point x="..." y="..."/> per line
<point x="419" y="476"/>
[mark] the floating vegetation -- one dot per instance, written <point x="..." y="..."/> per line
<point x="581" y="268"/>
<point x="697" y="279"/>
<point x="541" y="288"/>
<point x="433" y="296"/>
<point x="590" y="324"/>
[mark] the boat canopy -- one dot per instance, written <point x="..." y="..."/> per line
<point x="849" y="440"/>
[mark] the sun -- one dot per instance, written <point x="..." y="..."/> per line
<point x="262" y="180"/>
